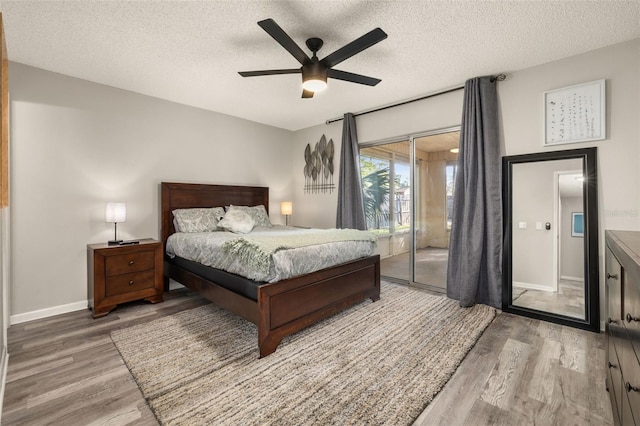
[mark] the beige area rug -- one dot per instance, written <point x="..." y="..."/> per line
<point x="376" y="363"/>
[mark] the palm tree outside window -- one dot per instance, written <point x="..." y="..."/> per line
<point x="380" y="178"/>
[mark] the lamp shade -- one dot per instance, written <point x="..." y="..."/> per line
<point x="115" y="212"/>
<point x="286" y="208"/>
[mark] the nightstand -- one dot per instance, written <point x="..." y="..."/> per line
<point x="118" y="274"/>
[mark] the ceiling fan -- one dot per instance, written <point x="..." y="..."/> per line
<point x="314" y="71"/>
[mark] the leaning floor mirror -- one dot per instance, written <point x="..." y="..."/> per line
<point x="550" y="267"/>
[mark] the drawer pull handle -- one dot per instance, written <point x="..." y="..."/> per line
<point x="611" y="365"/>
<point x="613" y="276"/>
<point x="131" y="282"/>
<point x="630" y="318"/>
<point x="631" y="388"/>
<point x="131" y="262"/>
<point x="611" y="321"/>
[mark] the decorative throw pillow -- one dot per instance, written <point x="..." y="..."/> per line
<point x="197" y="220"/>
<point x="258" y="213"/>
<point x="237" y="221"/>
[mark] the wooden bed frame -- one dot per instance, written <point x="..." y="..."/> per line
<point x="283" y="307"/>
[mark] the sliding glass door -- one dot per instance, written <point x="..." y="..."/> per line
<point x="436" y="158"/>
<point x="386" y="178"/>
<point x="408" y="195"/>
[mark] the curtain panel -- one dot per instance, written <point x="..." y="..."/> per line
<point x="350" y="200"/>
<point x="474" y="273"/>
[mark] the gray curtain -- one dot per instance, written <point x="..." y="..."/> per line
<point x="350" y="201"/>
<point x="474" y="272"/>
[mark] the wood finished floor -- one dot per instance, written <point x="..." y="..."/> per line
<point x="568" y="300"/>
<point x="65" y="370"/>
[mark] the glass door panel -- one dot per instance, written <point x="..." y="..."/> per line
<point x="435" y="158"/>
<point x="385" y="171"/>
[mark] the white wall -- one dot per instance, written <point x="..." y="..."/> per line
<point x="532" y="265"/>
<point x="521" y="108"/>
<point x="77" y="144"/>
<point x="314" y="210"/>
<point x="319" y="210"/>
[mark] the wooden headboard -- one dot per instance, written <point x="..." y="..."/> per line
<point x="192" y="195"/>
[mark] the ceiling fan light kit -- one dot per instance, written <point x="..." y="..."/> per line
<point x="314" y="77"/>
<point x="314" y="71"/>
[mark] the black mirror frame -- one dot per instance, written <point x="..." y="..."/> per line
<point x="590" y="200"/>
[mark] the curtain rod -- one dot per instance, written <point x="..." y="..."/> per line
<point x="499" y="77"/>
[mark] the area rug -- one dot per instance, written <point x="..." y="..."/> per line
<point x="376" y="363"/>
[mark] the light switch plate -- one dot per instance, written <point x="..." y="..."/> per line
<point x="522" y="225"/>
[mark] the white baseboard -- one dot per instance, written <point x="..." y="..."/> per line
<point x="48" y="312"/>
<point x="531" y="286"/>
<point x="563" y="277"/>
<point x="63" y="309"/>
<point x="4" y="365"/>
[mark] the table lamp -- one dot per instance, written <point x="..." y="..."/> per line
<point x="286" y="209"/>
<point x="115" y="213"/>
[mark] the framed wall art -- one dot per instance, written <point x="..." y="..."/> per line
<point x="575" y="114"/>
<point x="577" y="224"/>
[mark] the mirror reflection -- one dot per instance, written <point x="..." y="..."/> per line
<point x="547" y="231"/>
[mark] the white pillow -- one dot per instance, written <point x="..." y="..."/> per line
<point x="237" y="221"/>
<point x="198" y="219"/>
<point x="258" y="213"/>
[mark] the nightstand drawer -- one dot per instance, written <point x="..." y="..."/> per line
<point x="127" y="263"/>
<point x="128" y="283"/>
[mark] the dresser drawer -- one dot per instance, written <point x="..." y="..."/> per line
<point x="615" y="377"/>
<point x="614" y="287"/>
<point x="129" y="283"/>
<point x="631" y="378"/>
<point x="631" y="311"/>
<point x="127" y="263"/>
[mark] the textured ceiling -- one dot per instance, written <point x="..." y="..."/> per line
<point x="190" y="52"/>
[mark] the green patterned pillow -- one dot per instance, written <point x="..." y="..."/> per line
<point x="198" y="220"/>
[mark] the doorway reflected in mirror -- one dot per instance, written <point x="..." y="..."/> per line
<point x="550" y="206"/>
<point x="548" y="265"/>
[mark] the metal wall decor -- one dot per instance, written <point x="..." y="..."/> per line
<point x="318" y="168"/>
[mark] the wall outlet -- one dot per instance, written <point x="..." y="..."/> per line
<point x="522" y="225"/>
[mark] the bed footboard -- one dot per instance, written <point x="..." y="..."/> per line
<point x="291" y="305"/>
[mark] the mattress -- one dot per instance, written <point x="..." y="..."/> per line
<point x="272" y="254"/>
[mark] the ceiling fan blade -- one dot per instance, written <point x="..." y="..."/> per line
<point x="269" y="72"/>
<point x="356" y="46"/>
<point x="307" y="94"/>
<point x="353" y="78"/>
<point x="278" y="34"/>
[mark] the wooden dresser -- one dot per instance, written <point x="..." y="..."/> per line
<point x="118" y="274"/>
<point x="623" y="325"/>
